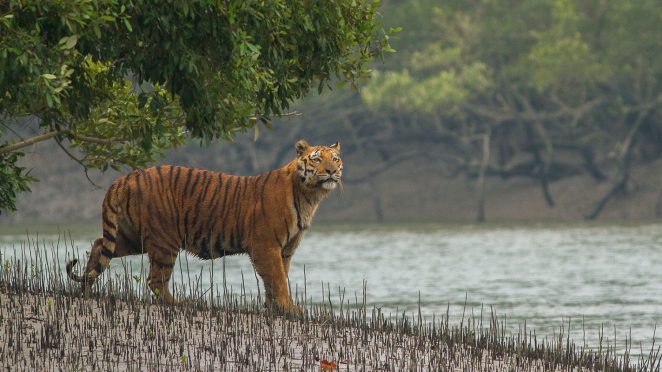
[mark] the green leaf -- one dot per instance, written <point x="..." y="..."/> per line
<point x="68" y="42"/>
<point x="49" y="76"/>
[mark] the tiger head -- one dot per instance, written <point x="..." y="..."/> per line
<point x="319" y="166"/>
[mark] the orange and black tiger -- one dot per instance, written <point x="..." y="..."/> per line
<point x="164" y="209"/>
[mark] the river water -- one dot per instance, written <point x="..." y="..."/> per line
<point x="600" y="278"/>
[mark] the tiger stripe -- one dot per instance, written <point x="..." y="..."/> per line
<point x="165" y="209"/>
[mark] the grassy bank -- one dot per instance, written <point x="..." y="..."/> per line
<point x="47" y="324"/>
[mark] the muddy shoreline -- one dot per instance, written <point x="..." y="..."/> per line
<point x="64" y="331"/>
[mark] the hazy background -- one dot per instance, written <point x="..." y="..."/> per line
<point x="509" y="110"/>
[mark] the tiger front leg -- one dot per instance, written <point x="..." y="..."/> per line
<point x="289" y="250"/>
<point x="270" y="266"/>
<point x="160" y="271"/>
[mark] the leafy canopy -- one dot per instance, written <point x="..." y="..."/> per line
<point x="121" y="81"/>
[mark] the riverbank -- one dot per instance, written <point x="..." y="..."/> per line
<point x="51" y="332"/>
<point x="46" y="332"/>
<point x="47" y="325"/>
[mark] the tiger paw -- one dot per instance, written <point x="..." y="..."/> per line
<point x="288" y="309"/>
<point x="293" y="310"/>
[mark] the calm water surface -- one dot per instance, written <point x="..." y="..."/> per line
<point x="596" y="277"/>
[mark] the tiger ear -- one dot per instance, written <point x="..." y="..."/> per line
<point x="301" y="146"/>
<point x="336" y="146"/>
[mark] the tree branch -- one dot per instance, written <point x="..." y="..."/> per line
<point x="4" y="124"/>
<point x="85" y="168"/>
<point x="284" y="115"/>
<point x="28" y="142"/>
<point x="499" y="116"/>
<point x="625" y="158"/>
<point x="384" y="166"/>
<point x="46" y="136"/>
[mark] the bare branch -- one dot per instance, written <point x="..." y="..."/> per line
<point x="625" y="158"/>
<point x="287" y="114"/>
<point x="48" y="135"/>
<point x="4" y="124"/>
<point x="501" y="115"/>
<point x="80" y="162"/>
<point x="28" y="142"/>
<point x="647" y="105"/>
<point x="382" y="168"/>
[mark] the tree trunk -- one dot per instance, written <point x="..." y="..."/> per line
<point x="377" y="202"/>
<point x="658" y="204"/>
<point x="481" y="177"/>
<point x="626" y="155"/>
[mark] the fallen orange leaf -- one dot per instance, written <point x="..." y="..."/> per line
<point x="326" y="365"/>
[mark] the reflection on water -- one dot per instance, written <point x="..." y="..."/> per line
<point x="592" y="276"/>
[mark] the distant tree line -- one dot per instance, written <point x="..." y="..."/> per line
<point x="540" y="89"/>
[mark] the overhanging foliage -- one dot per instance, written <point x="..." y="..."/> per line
<point x="205" y="69"/>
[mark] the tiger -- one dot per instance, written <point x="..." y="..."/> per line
<point x="165" y="209"/>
